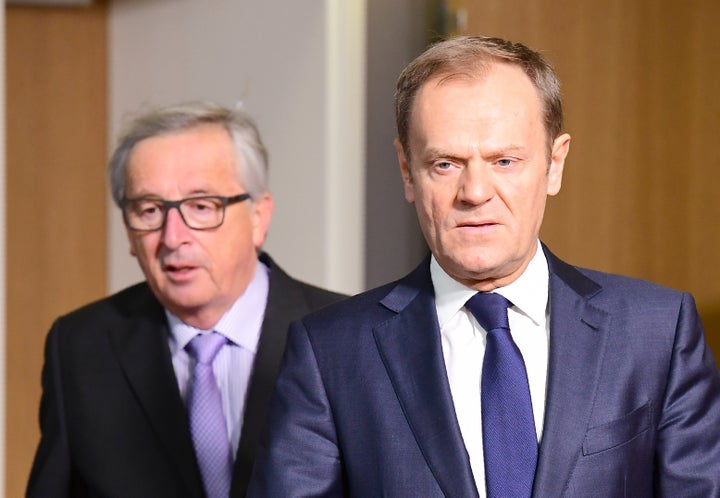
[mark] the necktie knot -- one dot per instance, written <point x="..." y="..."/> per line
<point x="490" y="310"/>
<point x="204" y="347"/>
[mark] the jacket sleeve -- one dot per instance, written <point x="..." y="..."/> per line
<point x="688" y="446"/>
<point x="50" y="474"/>
<point x="299" y="455"/>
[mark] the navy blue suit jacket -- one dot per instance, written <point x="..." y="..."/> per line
<point x="363" y="405"/>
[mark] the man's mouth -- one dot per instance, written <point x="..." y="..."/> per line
<point x="178" y="268"/>
<point x="478" y="227"/>
<point x="476" y="224"/>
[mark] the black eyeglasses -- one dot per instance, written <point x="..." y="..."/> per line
<point x="199" y="213"/>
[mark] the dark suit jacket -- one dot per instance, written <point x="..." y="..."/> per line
<point x="363" y="405"/>
<point x="112" y="420"/>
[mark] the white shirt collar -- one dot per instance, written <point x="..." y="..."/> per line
<point x="528" y="293"/>
<point x="241" y="323"/>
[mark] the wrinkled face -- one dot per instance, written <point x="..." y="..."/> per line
<point x="196" y="274"/>
<point x="478" y="172"/>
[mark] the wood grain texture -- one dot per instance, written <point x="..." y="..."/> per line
<point x="56" y="196"/>
<point x="639" y="79"/>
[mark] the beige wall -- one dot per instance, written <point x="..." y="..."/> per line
<point x="298" y="67"/>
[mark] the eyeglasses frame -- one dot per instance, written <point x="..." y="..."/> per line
<point x="168" y="205"/>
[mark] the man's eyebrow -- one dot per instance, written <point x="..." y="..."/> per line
<point x="505" y="150"/>
<point x="434" y="152"/>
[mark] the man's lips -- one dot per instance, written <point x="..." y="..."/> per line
<point x="477" y="224"/>
<point x="477" y="227"/>
<point x="178" y="268"/>
<point x="180" y="273"/>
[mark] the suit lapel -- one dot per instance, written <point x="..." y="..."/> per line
<point x="410" y="347"/>
<point x="143" y="353"/>
<point x="578" y="333"/>
<point x="285" y="300"/>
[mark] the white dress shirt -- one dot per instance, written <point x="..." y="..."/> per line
<point x="463" y="343"/>
<point x="232" y="366"/>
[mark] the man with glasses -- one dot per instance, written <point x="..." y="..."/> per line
<point x="162" y="388"/>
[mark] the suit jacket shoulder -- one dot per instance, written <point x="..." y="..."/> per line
<point x="128" y="303"/>
<point x="631" y="385"/>
<point x="108" y="358"/>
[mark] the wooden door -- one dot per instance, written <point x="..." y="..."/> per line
<point x="56" y="196"/>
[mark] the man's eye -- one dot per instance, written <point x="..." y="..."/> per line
<point x="444" y="165"/>
<point x="202" y="205"/>
<point x="504" y="163"/>
<point x="147" y="209"/>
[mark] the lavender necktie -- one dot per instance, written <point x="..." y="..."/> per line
<point x="508" y="426"/>
<point x="207" y="421"/>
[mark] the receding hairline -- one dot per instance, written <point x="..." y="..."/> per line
<point x="472" y="55"/>
<point x="477" y="74"/>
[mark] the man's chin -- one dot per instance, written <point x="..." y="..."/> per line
<point x="473" y="262"/>
<point x="183" y="298"/>
<point x="472" y="268"/>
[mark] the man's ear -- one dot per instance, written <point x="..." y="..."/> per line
<point x="405" y="172"/>
<point x="560" y="149"/>
<point x="260" y="215"/>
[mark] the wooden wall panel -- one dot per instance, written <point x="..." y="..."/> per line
<point x="640" y="194"/>
<point x="56" y="196"/>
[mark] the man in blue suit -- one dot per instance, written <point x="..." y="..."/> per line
<point x="385" y="394"/>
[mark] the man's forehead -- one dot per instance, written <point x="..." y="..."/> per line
<point x="511" y="84"/>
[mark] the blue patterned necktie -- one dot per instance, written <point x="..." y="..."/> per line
<point x="207" y="421"/>
<point x="508" y="427"/>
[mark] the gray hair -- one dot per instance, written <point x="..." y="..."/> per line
<point x="252" y="156"/>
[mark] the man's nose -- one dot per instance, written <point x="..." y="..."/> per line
<point x="175" y="231"/>
<point x="476" y="183"/>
